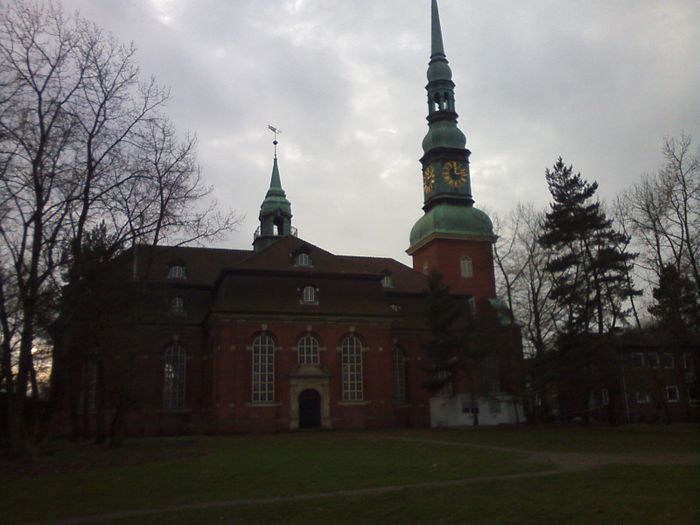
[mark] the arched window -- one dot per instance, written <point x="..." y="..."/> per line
<point x="263" y="369"/>
<point x="466" y="267"/>
<point x="352" y="368"/>
<point x="308" y="350"/>
<point x="309" y="295"/>
<point x="174" y="377"/>
<point x="399" y="375"/>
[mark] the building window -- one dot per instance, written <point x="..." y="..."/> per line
<point x="352" y="368"/>
<point x="308" y="350"/>
<point x="174" y="377"/>
<point x="688" y="362"/>
<point x="668" y="360"/>
<point x="263" y="369"/>
<point x="303" y="259"/>
<point x="466" y="267"/>
<point x="672" y="394"/>
<point x="308" y="295"/>
<point x="91" y="386"/>
<point x="638" y="359"/>
<point x="177" y="305"/>
<point x="653" y="359"/>
<point x="426" y="268"/>
<point x="693" y="394"/>
<point x="471" y="306"/>
<point x="399" y="375"/>
<point x="605" y="397"/>
<point x="642" y="398"/>
<point x="446" y="390"/>
<point x="177" y="271"/>
<point x="387" y="281"/>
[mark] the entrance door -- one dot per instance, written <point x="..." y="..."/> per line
<point x="309" y="409"/>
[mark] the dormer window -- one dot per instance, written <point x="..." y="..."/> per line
<point x="177" y="271"/>
<point x="387" y="281"/>
<point x="177" y="305"/>
<point x="308" y="295"/>
<point x="302" y="259"/>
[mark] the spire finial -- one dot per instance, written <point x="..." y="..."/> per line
<point x="437" y="47"/>
<point x="275" y="131"/>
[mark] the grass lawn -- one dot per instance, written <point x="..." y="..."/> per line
<point x="611" y="495"/>
<point x="224" y="468"/>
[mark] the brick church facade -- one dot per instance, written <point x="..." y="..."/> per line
<point x="288" y="336"/>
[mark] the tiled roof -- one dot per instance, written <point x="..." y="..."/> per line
<point x="270" y="282"/>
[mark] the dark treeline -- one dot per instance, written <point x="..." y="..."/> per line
<point x="602" y="292"/>
<point x="90" y="166"/>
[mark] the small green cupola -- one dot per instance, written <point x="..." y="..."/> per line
<point x="447" y="192"/>
<point x="275" y="212"/>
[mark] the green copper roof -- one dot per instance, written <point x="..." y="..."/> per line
<point x="276" y="198"/>
<point x="456" y="220"/>
<point x="442" y="116"/>
<point x="444" y="134"/>
<point x="439" y="68"/>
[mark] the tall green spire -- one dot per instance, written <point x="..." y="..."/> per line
<point x="275" y="183"/>
<point x="448" y="202"/>
<point x="275" y="211"/>
<point x="437" y="47"/>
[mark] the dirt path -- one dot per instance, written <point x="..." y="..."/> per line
<point x="566" y="461"/>
<point x="563" y="462"/>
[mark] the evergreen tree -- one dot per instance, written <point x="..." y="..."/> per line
<point x="589" y="262"/>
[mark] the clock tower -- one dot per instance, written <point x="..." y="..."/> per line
<point x="453" y="237"/>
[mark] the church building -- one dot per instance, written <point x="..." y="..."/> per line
<point x="288" y="336"/>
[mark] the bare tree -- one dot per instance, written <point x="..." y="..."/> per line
<point x="83" y="142"/>
<point x="523" y="275"/>
<point x="663" y="211"/>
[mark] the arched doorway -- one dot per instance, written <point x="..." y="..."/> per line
<point x="309" y="409"/>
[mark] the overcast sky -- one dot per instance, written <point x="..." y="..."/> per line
<point x="600" y="83"/>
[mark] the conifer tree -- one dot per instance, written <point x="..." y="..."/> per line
<point x="458" y="345"/>
<point x="589" y="263"/>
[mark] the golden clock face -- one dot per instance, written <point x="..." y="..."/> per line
<point x="454" y="173"/>
<point x="428" y="179"/>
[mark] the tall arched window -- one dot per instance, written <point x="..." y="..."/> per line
<point x="308" y="350"/>
<point x="466" y="267"/>
<point x="174" y="377"/>
<point x="399" y="375"/>
<point x="263" y="369"/>
<point x="352" y="368"/>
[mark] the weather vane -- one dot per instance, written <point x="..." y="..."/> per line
<point x="275" y="131"/>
